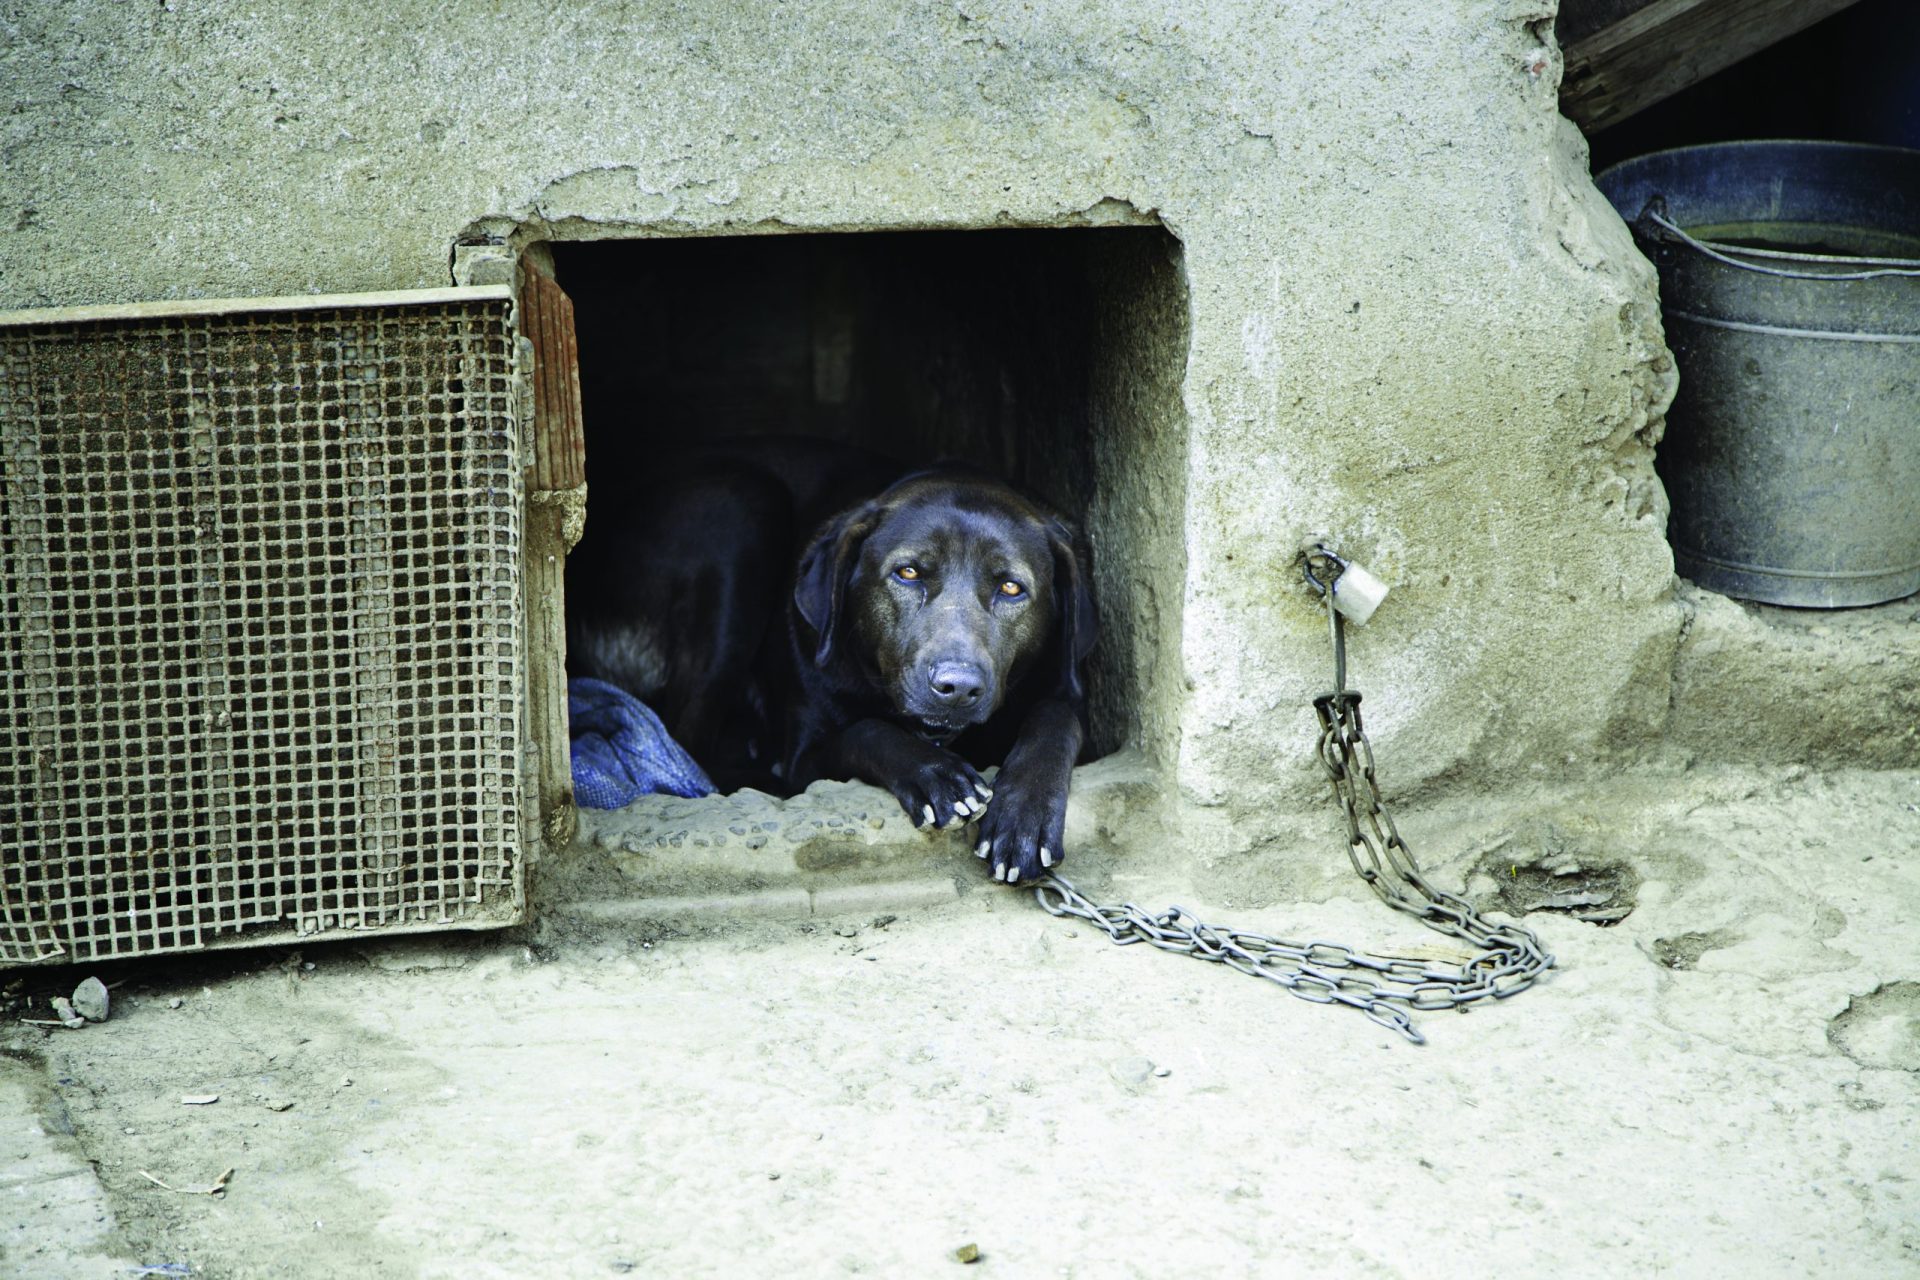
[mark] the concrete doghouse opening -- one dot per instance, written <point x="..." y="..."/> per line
<point x="1053" y="357"/>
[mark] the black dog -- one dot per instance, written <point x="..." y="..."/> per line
<point x="935" y="627"/>
<point x="678" y="592"/>
<point x="948" y="610"/>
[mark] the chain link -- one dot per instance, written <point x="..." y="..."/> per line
<point x="1508" y="958"/>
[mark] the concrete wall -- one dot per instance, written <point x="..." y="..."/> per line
<point x="1412" y="324"/>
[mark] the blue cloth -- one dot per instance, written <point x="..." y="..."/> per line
<point x="621" y="751"/>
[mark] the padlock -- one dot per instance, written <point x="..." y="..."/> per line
<point x="1357" y="593"/>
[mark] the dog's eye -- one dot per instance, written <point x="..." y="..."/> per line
<point x="1012" y="590"/>
<point x="907" y="573"/>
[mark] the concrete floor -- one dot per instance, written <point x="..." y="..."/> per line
<point x="865" y="1072"/>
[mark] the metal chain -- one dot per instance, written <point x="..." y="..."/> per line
<point x="1507" y="958"/>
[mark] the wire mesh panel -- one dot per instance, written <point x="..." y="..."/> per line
<point x="260" y="639"/>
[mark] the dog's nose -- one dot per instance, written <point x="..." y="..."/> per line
<point x="957" y="684"/>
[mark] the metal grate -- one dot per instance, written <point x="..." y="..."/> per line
<point x="261" y="658"/>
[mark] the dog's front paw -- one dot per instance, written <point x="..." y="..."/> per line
<point x="941" y="790"/>
<point x="1023" y="830"/>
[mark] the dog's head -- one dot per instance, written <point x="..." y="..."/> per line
<point x="949" y="588"/>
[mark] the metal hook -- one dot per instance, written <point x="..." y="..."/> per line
<point x="1321" y="551"/>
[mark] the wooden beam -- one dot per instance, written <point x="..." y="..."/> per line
<point x="1662" y="47"/>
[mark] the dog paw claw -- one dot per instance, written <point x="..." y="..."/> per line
<point x="1024" y="830"/>
<point x="938" y="791"/>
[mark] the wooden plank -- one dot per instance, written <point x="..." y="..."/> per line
<point x="250" y="306"/>
<point x="1668" y="45"/>
<point x="546" y="318"/>
<point x="556" y="512"/>
<point x="1579" y="19"/>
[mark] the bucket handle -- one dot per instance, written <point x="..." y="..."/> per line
<point x="1655" y="212"/>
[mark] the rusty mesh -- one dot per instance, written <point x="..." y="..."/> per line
<point x="260" y="644"/>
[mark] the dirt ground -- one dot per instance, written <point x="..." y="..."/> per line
<point x="1724" y="1082"/>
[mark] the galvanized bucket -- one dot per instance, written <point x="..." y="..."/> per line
<point x="1790" y="283"/>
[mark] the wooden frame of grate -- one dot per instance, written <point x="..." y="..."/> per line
<point x="264" y="662"/>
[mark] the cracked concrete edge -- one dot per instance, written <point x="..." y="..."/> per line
<point x="1847" y="672"/>
<point x="59" y="1222"/>
<point x="837" y="846"/>
<point x="788" y="903"/>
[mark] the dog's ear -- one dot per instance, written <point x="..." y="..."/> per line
<point x="1073" y="604"/>
<point x="820" y="583"/>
